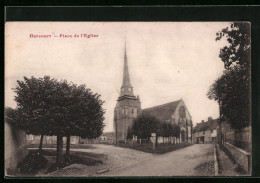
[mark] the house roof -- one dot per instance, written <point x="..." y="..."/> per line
<point x="162" y="112"/>
<point x="209" y="125"/>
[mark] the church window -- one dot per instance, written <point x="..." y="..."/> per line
<point x="135" y="112"/>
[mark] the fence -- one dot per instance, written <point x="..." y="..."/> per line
<point x="239" y="138"/>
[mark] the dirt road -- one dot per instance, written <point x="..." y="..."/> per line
<point x="195" y="160"/>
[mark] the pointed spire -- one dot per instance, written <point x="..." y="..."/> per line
<point x="126" y="88"/>
<point x="126" y="77"/>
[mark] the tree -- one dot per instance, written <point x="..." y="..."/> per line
<point x="232" y="92"/>
<point x="129" y="133"/>
<point x="86" y="115"/>
<point x="232" y="89"/>
<point x="167" y="130"/>
<point x="239" y="48"/>
<point x="50" y="107"/>
<point x="175" y="131"/>
<point x="32" y="106"/>
<point x="144" y="125"/>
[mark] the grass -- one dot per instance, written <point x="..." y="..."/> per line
<point x="160" y="149"/>
<point x="220" y="168"/>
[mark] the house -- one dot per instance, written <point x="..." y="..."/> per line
<point x="205" y="132"/>
<point x="35" y="139"/>
<point x="107" y="138"/>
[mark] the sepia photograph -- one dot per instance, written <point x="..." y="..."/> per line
<point x="127" y="99"/>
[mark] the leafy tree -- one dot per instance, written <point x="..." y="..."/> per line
<point x="237" y="52"/>
<point x="232" y="89"/>
<point x="129" y="133"/>
<point x="175" y="131"/>
<point x="167" y="130"/>
<point x="11" y="114"/>
<point x="144" y="125"/>
<point x="86" y="115"/>
<point x="232" y="92"/>
<point x="49" y="107"/>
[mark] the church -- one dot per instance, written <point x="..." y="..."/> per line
<point x="128" y="107"/>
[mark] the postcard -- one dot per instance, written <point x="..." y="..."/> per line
<point x="115" y="99"/>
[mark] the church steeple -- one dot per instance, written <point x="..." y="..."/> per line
<point x="126" y="77"/>
<point x="128" y="106"/>
<point x="126" y="88"/>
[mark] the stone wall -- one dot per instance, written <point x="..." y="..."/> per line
<point x="239" y="138"/>
<point x="15" y="147"/>
<point x="242" y="157"/>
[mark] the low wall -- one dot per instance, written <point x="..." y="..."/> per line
<point x="239" y="138"/>
<point x="242" y="157"/>
<point x="15" y="148"/>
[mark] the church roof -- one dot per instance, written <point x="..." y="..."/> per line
<point x="204" y="126"/>
<point x="162" y="112"/>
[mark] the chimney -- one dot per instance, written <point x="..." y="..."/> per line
<point x="202" y="121"/>
<point x="210" y="119"/>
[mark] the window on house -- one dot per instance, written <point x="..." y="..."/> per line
<point x="203" y="132"/>
<point x="211" y="131"/>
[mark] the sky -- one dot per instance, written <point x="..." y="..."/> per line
<point x="167" y="60"/>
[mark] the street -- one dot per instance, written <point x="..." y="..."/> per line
<point x="195" y="160"/>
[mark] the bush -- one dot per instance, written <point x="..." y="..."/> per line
<point x="32" y="163"/>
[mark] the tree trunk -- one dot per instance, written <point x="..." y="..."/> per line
<point x="68" y="146"/>
<point x="156" y="140"/>
<point x="40" y="146"/>
<point x="59" y="157"/>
